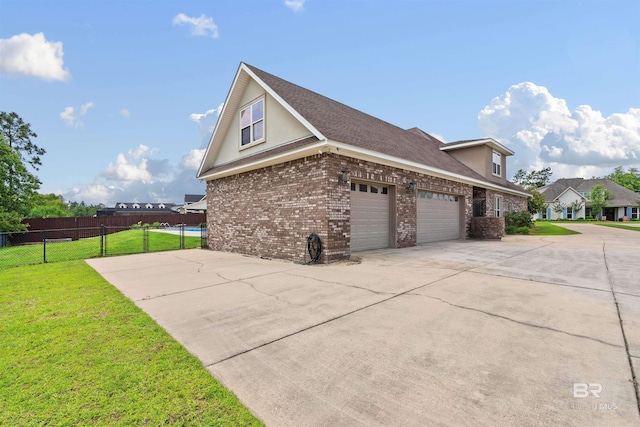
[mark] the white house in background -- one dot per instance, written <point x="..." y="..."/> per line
<point x="194" y="203"/>
<point x="567" y="198"/>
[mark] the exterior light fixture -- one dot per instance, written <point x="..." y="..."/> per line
<point x="343" y="176"/>
<point x="412" y="187"/>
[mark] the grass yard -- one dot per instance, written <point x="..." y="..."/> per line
<point x="75" y="351"/>
<point x="617" y="225"/>
<point x="121" y="243"/>
<point x="544" y="228"/>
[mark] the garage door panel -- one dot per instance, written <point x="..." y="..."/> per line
<point x="369" y="217"/>
<point x="438" y="217"/>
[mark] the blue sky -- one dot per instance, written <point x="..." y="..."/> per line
<point x="124" y="94"/>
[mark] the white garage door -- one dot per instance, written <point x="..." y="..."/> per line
<point x="369" y="216"/>
<point x="438" y="217"/>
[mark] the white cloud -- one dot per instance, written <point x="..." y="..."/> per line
<point x="201" y="26"/>
<point x="33" y="55"/>
<point x="125" y="113"/>
<point x="295" y="5"/>
<point x="138" y="175"/>
<point x="193" y="159"/>
<point x="125" y="169"/>
<point x="71" y="115"/>
<point x="141" y="149"/>
<point x="207" y="122"/>
<point x="543" y="131"/>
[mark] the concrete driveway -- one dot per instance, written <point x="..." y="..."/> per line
<point x="525" y="331"/>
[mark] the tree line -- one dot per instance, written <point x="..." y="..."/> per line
<point x="20" y="157"/>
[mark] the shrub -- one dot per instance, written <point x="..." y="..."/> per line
<point x="518" y="219"/>
<point x="511" y="229"/>
<point x="156" y="225"/>
<point x="523" y="230"/>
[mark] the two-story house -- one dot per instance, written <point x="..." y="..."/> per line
<point x="285" y="162"/>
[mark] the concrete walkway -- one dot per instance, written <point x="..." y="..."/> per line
<point x="505" y="333"/>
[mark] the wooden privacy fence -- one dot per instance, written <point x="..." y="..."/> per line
<point x="82" y="227"/>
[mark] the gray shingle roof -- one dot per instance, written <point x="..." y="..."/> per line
<point x="193" y="198"/>
<point x="342" y="123"/>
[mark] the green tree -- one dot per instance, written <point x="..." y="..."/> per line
<point x="82" y="209"/>
<point x="536" y="202"/>
<point x="558" y="207"/>
<point x="17" y="188"/>
<point x="599" y="198"/>
<point x="18" y="135"/>
<point x="629" y="179"/>
<point x="533" y="179"/>
<point x="48" y="206"/>
<point x="576" y="206"/>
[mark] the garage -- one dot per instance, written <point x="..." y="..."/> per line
<point x="369" y="216"/>
<point x="438" y="217"/>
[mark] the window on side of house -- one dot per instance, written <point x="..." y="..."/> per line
<point x="635" y="213"/>
<point x="498" y="206"/>
<point x="252" y="123"/>
<point x="497" y="163"/>
<point x="569" y="212"/>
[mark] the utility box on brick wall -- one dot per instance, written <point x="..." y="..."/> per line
<point x="487" y="227"/>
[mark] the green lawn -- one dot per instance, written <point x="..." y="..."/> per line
<point x="545" y="228"/>
<point x="617" y="225"/>
<point x="75" y="351"/>
<point x="122" y="243"/>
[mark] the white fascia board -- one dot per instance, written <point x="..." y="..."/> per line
<point x="282" y="102"/>
<point x="307" y="150"/>
<point x="374" y="156"/>
<point x="489" y="141"/>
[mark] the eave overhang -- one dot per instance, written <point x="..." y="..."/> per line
<point x="328" y="146"/>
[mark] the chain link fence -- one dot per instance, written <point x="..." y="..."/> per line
<point x="43" y="246"/>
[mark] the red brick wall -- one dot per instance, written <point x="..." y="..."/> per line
<point x="270" y="212"/>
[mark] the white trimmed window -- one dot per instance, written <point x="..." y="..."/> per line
<point x="252" y="123"/>
<point x="498" y="206"/>
<point x="497" y="163"/>
<point x="569" y="212"/>
<point x="635" y="213"/>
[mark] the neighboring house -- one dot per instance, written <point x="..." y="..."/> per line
<point x="194" y="203"/>
<point x="285" y="162"/>
<point x="565" y="195"/>
<point x="134" y="208"/>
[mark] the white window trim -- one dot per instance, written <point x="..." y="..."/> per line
<point x="497" y="208"/>
<point x="264" y="123"/>
<point x="499" y="164"/>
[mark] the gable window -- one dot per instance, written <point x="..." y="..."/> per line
<point x="497" y="163"/>
<point x="252" y="123"/>
<point x="569" y="212"/>
<point x="498" y="206"/>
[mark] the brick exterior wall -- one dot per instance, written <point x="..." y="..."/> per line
<point x="510" y="203"/>
<point x="270" y="212"/>
<point x="487" y="227"/>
